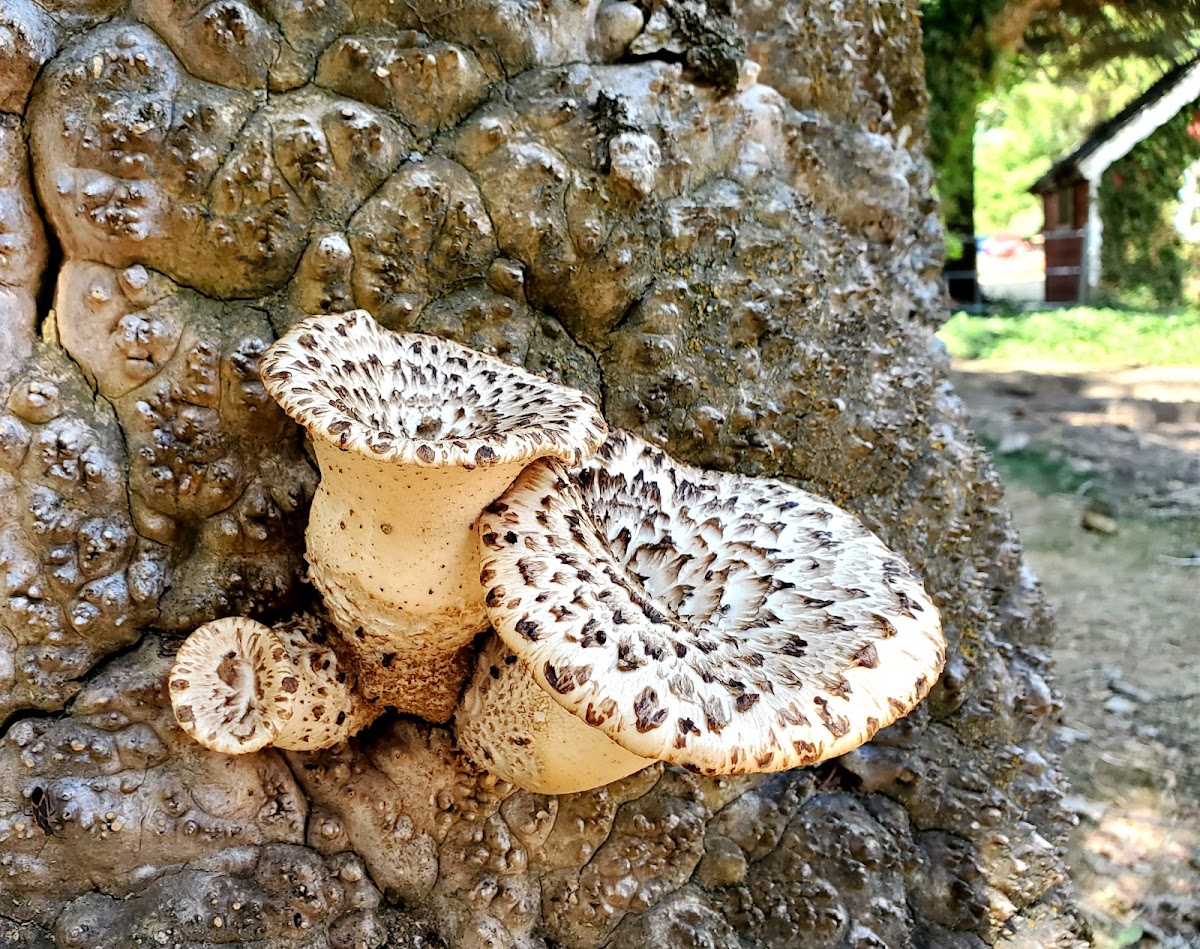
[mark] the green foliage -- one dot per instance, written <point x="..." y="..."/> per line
<point x="1037" y="119"/>
<point x="962" y="63"/>
<point x="1083" y="35"/>
<point x="1082" y="338"/>
<point x="974" y="46"/>
<point x="1143" y="254"/>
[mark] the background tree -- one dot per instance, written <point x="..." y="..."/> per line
<point x="974" y="49"/>
<point x="964" y="58"/>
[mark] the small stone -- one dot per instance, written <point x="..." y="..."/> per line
<point x="1098" y="523"/>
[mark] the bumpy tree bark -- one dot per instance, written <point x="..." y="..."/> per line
<point x="741" y="264"/>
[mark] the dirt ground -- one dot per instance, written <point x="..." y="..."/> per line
<point x="1103" y="474"/>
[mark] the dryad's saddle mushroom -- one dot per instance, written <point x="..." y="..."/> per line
<point x="646" y="610"/>
<point x="414" y="436"/>
<point x="237" y="686"/>
<point x="651" y="610"/>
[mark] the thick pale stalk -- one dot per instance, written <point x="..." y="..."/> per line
<point x="511" y="728"/>
<point x="394" y="554"/>
<point x="414" y="435"/>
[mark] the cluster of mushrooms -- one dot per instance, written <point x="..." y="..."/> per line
<point x="635" y="609"/>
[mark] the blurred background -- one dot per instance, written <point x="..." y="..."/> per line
<point x="1066" y="137"/>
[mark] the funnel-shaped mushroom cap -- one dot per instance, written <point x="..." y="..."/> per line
<point x="422" y="400"/>
<point x="414" y="436"/>
<point x="724" y="623"/>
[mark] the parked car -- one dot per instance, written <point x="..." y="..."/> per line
<point x="1005" y="244"/>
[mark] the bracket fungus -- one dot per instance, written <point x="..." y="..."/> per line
<point x="651" y="610"/>
<point x="237" y="686"/>
<point x="414" y="436"/>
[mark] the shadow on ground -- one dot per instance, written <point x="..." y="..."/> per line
<point x="1103" y="473"/>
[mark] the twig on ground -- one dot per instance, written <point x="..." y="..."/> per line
<point x="1179" y="561"/>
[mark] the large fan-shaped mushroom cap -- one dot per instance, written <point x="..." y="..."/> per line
<point x="724" y="623"/>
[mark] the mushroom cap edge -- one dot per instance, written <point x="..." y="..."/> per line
<point x="571" y="427"/>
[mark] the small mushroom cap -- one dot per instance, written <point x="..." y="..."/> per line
<point x="422" y="400"/>
<point x="229" y="683"/>
<point x="723" y="623"/>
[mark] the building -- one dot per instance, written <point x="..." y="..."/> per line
<point x="1070" y="191"/>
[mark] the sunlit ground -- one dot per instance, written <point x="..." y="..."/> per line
<point x="1128" y="616"/>
<point x="1129" y="666"/>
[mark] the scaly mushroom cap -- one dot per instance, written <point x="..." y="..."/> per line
<point x="237" y="686"/>
<point x="724" y="623"/>
<point x="423" y="400"/>
<point x="227" y="683"/>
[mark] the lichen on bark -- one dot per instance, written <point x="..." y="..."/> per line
<point x="740" y="260"/>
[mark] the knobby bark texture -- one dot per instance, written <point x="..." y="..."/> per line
<point x="718" y="221"/>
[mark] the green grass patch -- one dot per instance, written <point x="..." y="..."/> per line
<point x="1082" y="337"/>
<point x="1043" y="472"/>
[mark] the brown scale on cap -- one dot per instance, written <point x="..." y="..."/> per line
<point x="724" y="623"/>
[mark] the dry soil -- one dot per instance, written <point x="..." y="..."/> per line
<point x="1103" y="474"/>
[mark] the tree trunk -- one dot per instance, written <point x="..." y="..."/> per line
<point x="745" y="270"/>
<point x="963" y="43"/>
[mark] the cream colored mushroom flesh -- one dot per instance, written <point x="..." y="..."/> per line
<point x="238" y="686"/>
<point x="414" y="436"/>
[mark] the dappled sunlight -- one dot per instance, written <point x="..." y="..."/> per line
<point x="1124" y="590"/>
<point x="1127" y="664"/>
<point x="1136" y="430"/>
<point x="1133" y="862"/>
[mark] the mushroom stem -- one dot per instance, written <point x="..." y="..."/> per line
<point x="414" y="435"/>
<point x="509" y="726"/>
<point x="393" y="551"/>
<point x="238" y="686"/>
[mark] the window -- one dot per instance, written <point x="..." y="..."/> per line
<point x="1066" y="207"/>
